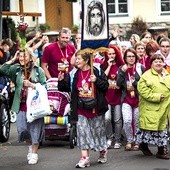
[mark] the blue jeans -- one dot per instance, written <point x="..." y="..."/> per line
<point x="113" y="120"/>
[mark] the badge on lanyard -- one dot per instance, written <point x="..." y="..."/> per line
<point x="132" y="94"/>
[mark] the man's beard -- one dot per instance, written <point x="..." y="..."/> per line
<point x="63" y="44"/>
<point x="95" y="30"/>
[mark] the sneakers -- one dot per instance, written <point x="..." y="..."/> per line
<point x="33" y="159"/>
<point x="103" y="157"/>
<point x="29" y="156"/>
<point x="109" y="143"/>
<point x="29" y="152"/>
<point x="83" y="163"/>
<point x="117" y="145"/>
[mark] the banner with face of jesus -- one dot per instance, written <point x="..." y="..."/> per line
<point x="95" y="29"/>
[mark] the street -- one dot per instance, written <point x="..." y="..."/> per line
<point x="57" y="155"/>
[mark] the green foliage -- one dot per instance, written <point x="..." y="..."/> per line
<point x="75" y="28"/>
<point x="138" y="26"/>
<point x="9" y="28"/>
<point x="44" y="27"/>
<point x="23" y="43"/>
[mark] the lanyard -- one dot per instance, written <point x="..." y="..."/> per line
<point x="129" y="76"/>
<point x="64" y="56"/>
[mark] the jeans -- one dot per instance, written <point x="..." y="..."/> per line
<point x="130" y="121"/>
<point x="113" y="120"/>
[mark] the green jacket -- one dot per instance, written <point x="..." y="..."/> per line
<point x="152" y="111"/>
<point x="14" y="72"/>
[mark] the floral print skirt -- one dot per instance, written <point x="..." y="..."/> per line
<point x="91" y="133"/>
<point x="159" y="138"/>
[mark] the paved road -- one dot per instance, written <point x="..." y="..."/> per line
<point x="56" y="155"/>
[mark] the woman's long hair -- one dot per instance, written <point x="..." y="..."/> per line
<point x="118" y="58"/>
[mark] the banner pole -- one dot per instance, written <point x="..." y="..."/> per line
<point x="92" y="73"/>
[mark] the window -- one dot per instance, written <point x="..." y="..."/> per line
<point x="165" y="7"/>
<point x="5" y="5"/>
<point x="118" y="7"/>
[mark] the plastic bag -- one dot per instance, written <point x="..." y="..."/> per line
<point x="37" y="103"/>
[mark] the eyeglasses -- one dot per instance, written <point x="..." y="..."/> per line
<point x="165" y="46"/>
<point x="111" y="53"/>
<point x="130" y="56"/>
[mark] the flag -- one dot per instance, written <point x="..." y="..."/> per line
<point x="95" y="26"/>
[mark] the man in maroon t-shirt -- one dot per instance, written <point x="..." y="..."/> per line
<point x="56" y="56"/>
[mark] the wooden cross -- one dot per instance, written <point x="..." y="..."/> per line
<point x="21" y="11"/>
<point x="21" y="14"/>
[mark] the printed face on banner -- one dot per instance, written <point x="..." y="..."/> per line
<point x="95" y="25"/>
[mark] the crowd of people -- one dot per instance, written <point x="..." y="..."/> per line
<point x="129" y="92"/>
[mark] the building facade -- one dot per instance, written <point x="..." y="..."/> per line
<point x="63" y="13"/>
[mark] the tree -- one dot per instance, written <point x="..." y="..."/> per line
<point x="138" y="26"/>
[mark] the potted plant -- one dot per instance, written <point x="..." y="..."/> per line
<point x="75" y="28"/>
<point x="44" y="27"/>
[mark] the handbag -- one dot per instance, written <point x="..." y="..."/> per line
<point x="87" y="103"/>
<point x="37" y="103"/>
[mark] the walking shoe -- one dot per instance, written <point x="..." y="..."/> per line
<point x="83" y="163"/>
<point x="117" y="145"/>
<point x="103" y="157"/>
<point x="34" y="159"/>
<point x="136" y="147"/>
<point x="29" y="156"/>
<point x="29" y="152"/>
<point x="128" y="147"/>
<point x="162" y="156"/>
<point x="145" y="150"/>
<point x="109" y="143"/>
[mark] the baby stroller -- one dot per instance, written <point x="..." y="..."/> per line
<point x="57" y="125"/>
<point x="4" y="109"/>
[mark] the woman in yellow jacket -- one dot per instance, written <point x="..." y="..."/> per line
<point x="154" y="107"/>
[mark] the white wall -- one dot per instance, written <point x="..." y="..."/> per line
<point x="41" y="9"/>
<point x="29" y="6"/>
<point x="147" y="9"/>
<point x="76" y="13"/>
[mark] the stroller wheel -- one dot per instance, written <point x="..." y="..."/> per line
<point x="13" y="116"/>
<point x="4" y="123"/>
<point x="72" y="136"/>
